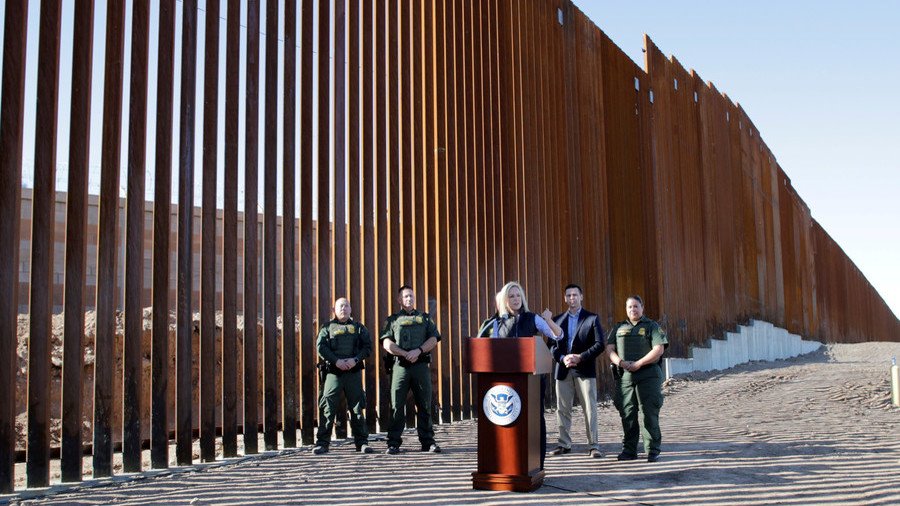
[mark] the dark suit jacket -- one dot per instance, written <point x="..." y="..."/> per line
<point x="588" y="343"/>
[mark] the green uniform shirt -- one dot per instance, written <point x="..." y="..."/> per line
<point x="409" y="330"/>
<point x="634" y="341"/>
<point x="339" y="340"/>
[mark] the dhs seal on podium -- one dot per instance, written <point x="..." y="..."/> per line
<point x="502" y="405"/>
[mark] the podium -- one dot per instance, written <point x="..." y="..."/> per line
<point x="507" y="372"/>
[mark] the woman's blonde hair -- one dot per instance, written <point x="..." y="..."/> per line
<point x="502" y="298"/>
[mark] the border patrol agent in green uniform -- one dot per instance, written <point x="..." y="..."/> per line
<point x="342" y="345"/>
<point x="635" y="347"/>
<point x="409" y="336"/>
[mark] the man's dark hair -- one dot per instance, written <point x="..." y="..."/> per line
<point x="573" y="285"/>
<point x="635" y="297"/>
<point x="404" y="287"/>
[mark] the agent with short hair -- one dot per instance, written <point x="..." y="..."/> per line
<point x="575" y="363"/>
<point x="409" y="336"/>
<point x="342" y="345"/>
<point x="635" y="348"/>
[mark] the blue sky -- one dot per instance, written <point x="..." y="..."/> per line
<point x="819" y="79"/>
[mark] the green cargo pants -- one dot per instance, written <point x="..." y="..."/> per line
<point x="418" y="378"/>
<point x="640" y="391"/>
<point x="351" y="384"/>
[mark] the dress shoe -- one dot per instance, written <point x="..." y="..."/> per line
<point x="434" y="448"/>
<point x="560" y="450"/>
<point x="652" y="457"/>
<point x="626" y="456"/>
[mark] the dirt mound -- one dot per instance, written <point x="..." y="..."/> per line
<point x="56" y="369"/>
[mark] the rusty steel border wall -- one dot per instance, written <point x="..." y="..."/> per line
<point x="474" y="142"/>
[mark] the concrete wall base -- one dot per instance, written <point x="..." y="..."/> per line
<point x="758" y="341"/>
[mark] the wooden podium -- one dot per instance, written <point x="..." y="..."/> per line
<point x="509" y="448"/>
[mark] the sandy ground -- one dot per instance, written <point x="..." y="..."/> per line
<point x="818" y="429"/>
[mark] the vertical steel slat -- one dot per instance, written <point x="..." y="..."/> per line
<point x="725" y="212"/>
<point x="288" y="241"/>
<point x="307" y="246"/>
<point x="593" y="176"/>
<point x="547" y="27"/>
<point x="491" y="239"/>
<point x="339" y="171"/>
<point x="368" y="177"/>
<point x="571" y="196"/>
<point x="478" y="167"/>
<point x="76" y="244"/>
<point x="339" y="263"/>
<point x="394" y="149"/>
<point x="207" y="406"/>
<point x="353" y="232"/>
<point x="270" y="332"/>
<point x="383" y="204"/>
<point x="495" y="250"/>
<point x="418" y="160"/>
<point x="450" y="279"/>
<point x="457" y="130"/>
<point x="185" y="317"/>
<point x="662" y="88"/>
<point x="510" y="102"/>
<point x="435" y="153"/>
<point x="526" y="157"/>
<point x="653" y="258"/>
<point x="582" y="250"/>
<point x="602" y="295"/>
<point x="556" y="177"/>
<point x="692" y="185"/>
<point x="483" y="171"/>
<point x="107" y="285"/>
<point x="162" y="212"/>
<point x="436" y="223"/>
<point x="230" y="231"/>
<point x="538" y="23"/>
<point x="534" y="163"/>
<point x="526" y="154"/>
<point x="474" y="159"/>
<point x="11" y="138"/>
<point x="652" y="279"/>
<point x="406" y="229"/>
<point x="425" y="171"/>
<point x="12" y="109"/>
<point x="393" y="88"/>
<point x="710" y="272"/>
<point x="324" y="252"/>
<point x="134" y="240"/>
<point x="355" y="266"/>
<point x="42" y="242"/>
<point x="251" y="237"/>
<point x="523" y="159"/>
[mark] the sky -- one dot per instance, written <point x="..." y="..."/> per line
<point x="819" y="80"/>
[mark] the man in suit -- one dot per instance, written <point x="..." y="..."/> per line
<point x="575" y="358"/>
